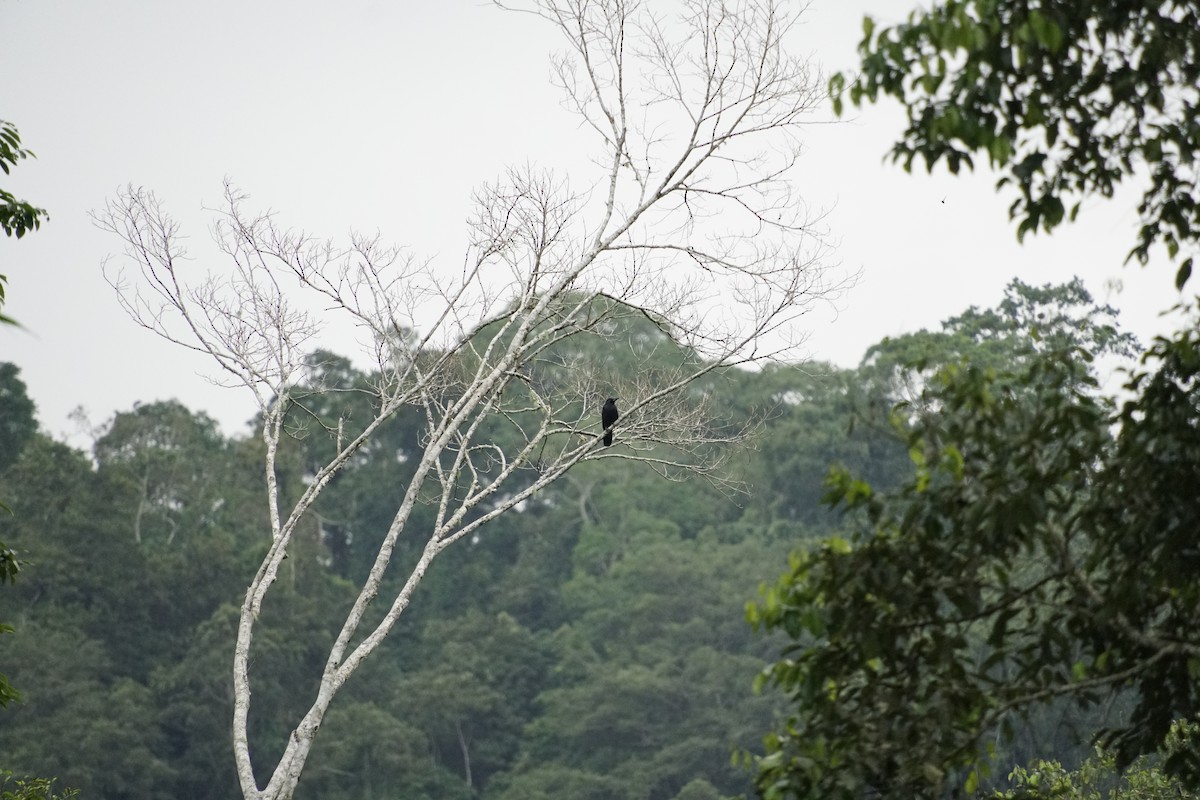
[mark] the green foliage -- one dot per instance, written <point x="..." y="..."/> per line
<point x="474" y="691"/>
<point x="585" y="645"/>
<point x="334" y="403"/>
<point x="824" y="415"/>
<point x="107" y="741"/>
<point x="10" y="567"/>
<point x="1030" y="557"/>
<point x="699" y="789"/>
<point x="370" y="753"/>
<point x="13" y="788"/>
<point x="17" y="424"/>
<point x="8" y="692"/>
<point x="173" y="462"/>
<point x="1030" y="320"/>
<point x="648" y="693"/>
<point x="1067" y="98"/>
<point x="613" y="589"/>
<point x="17" y="217"/>
<point x="1099" y="776"/>
<point x="18" y="420"/>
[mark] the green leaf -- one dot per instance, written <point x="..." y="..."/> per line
<point x="837" y="83"/>
<point x="1000" y="150"/>
<point x="838" y="545"/>
<point x="1185" y="272"/>
<point x="868" y="28"/>
<point x="1047" y="32"/>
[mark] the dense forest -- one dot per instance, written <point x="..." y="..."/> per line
<point x="966" y="567"/>
<point x="590" y="644"/>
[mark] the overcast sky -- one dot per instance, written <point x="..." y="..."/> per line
<point x="384" y="116"/>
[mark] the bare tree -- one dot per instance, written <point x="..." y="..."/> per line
<point x="689" y="222"/>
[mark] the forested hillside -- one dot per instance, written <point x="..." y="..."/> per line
<point x="591" y="643"/>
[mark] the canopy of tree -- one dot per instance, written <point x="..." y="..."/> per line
<point x="1067" y="98"/>
<point x="590" y="644"/>
<point x="1042" y="553"/>
<point x="17" y="217"/>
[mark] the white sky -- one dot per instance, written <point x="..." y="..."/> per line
<point x="384" y="116"/>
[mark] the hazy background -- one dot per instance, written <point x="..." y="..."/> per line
<point x="384" y="116"/>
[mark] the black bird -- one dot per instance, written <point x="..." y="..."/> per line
<point x="608" y="416"/>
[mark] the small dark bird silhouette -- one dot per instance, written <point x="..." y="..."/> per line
<point x="608" y="416"/>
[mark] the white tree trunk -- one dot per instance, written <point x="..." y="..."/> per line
<point x="695" y="228"/>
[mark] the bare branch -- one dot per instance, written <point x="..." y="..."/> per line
<point x="687" y="255"/>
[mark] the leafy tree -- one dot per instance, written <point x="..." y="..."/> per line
<point x="1029" y="321"/>
<point x="605" y="601"/>
<point x="699" y="789"/>
<point x="18" y="418"/>
<point x="1099" y="777"/>
<point x="475" y="692"/>
<point x="13" y="788"/>
<point x="17" y="424"/>
<point x="822" y="415"/>
<point x="67" y="520"/>
<point x="827" y="416"/>
<point x="1031" y="557"/>
<point x="333" y="403"/>
<point x="83" y="721"/>
<point x="193" y="697"/>
<point x="369" y="753"/>
<point x="17" y="217"/>
<point x="559" y="780"/>
<point x="172" y="460"/>
<point x="1068" y="98"/>
<point x="652" y="664"/>
<point x="9" y="567"/>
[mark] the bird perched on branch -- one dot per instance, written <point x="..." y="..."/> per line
<point x="608" y="416"/>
